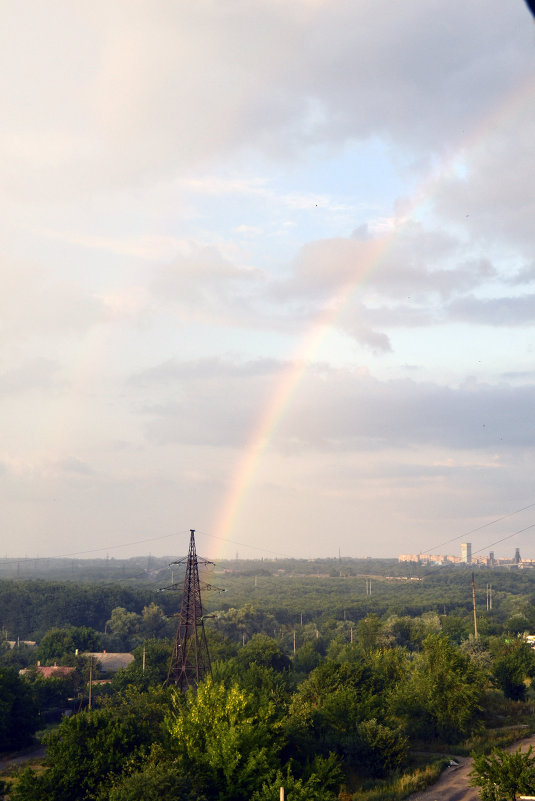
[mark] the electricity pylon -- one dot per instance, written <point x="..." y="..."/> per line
<point x="190" y="661"/>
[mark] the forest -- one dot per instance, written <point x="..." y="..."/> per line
<point x="337" y="679"/>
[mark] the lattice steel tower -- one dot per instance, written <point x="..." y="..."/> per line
<point x="190" y="661"/>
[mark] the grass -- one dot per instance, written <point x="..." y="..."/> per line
<point x="401" y="786"/>
<point x="505" y="723"/>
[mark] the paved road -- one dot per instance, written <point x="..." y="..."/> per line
<point x="453" y="783"/>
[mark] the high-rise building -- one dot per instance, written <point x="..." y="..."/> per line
<point x="466" y="553"/>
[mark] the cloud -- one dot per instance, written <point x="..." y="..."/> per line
<point x="493" y="201"/>
<point x="502" y="311"/>
<point x="204" y="282"/>
<point x="36" y="302"/>
<point x="211" y="369"/>
<point x="123" y="95"/>
<point x="36" y="375"/>
<point x="220" y="403"/>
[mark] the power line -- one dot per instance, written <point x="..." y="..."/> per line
<point x="91" y="550"/>
<point x="508" y="537"/>
<point x="479" y="528"/>
<point x="247" y="545"/>
<point x="11" y="560"/>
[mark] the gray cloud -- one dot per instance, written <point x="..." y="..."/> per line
<point x="37" y="375"/>
<point x="504" y="311"/>
<point x="177" y="85"/>
<point x="36" y="302"/>
<point x="212" y="369"/>
<point x="338" y="410"/>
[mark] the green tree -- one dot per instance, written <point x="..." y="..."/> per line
<point x="512" y="666"/>
<point x="149" y="668"/>
<point x="442" y="695"/>
<point x="155" y="782"/>
<point x="368" y="631"/>
<point x="306" y="658"/>
<point x="502" y="776"/>
<point x="264" y="651"/>
<point x="18" y="711"/>
<point x="123" y="624"/>
<point x="58" y="642"/>
<point x="223" y="736"/>
<point x="153" y="621"/>
<point x="93" y="747"/>
<point x="320" y="783"/>
<point x="51" y="693"/>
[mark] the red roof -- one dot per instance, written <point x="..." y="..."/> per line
<point x="52" y="671"/>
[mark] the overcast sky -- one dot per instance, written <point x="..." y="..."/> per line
<point x="268" y="272"/>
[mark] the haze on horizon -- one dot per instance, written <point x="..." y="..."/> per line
<point x="268" y="273"/>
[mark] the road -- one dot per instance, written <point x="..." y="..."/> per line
<point x="453" y="783"/>
<point x="19" y="758"/>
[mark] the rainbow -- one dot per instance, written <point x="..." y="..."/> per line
<point x="375" y="252"/>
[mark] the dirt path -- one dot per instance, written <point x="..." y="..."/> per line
<point x="453" y="783"/>
<point x="19" y="759"/>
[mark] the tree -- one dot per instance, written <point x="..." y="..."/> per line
<point x="156" y="654"/>
<point x="502" y="775"/>
<point x="18" y="711"/>
<point x="123" y="624"/>
<point x="153" y="620"/>
<point x="58" y="642"/>
<point x="221" y="736"/>
<point x="155" y="782"/>
<point x="95" y="746"/>
<point x="306" y="658"/>
<point x="368" y="632"/>
<point x="263" y="651"/>
<point x="515" y="663"/>
<point x="312" y="788"/>
<point x="442" y="695"/>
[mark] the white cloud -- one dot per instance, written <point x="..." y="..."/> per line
<point x="99" y="96"/>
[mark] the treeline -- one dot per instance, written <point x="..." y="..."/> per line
<point x="28" y="609"/>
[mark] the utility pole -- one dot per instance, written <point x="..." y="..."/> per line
<point x="489" y="597"/>
<point x="474" y="603"/>
<point x="190" y="660"/>
<point x="90" y="681"/>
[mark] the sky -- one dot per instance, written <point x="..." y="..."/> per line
<point x="268" y="273"/>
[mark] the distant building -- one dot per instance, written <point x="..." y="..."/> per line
<point x="466" y="553"/>
<point x="54" y="671"/>
<point x="517" y="558"/>
<point x="111" y="662"/>
<point x="18" y="643"/>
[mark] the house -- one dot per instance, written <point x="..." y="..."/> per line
<point x="111" y="662"/>
<point x="54" y="671"/>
